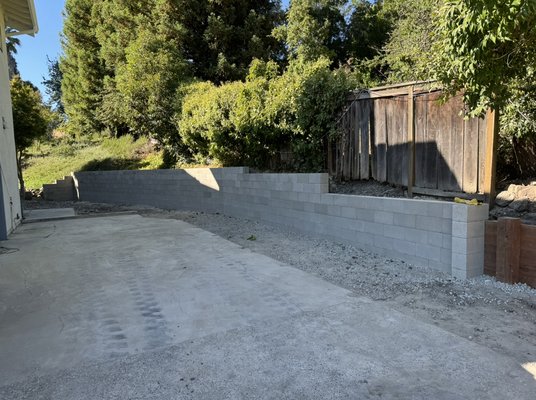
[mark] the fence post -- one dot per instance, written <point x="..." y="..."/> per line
<point x="508" y="249"/>
<point x="492" y="132"/>
<point x="411" y="142"/>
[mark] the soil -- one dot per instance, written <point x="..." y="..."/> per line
<point x="367" y="188"/>
<point x="495" y="315"/>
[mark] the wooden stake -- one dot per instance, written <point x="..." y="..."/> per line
<point x="492" y="134"/>
<point x="411" y="142"/>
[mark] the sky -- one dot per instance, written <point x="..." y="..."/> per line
<point x="33" y="52"/>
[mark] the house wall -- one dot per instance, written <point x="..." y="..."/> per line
<point x="10" y="204"/>
<point x="437" y="234"/>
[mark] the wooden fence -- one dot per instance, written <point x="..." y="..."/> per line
<point x="510" y="251"/>
<point x="422" y="144"/>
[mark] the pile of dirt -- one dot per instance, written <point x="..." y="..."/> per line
<point x="517" y="201"/>
<point x="366" y="188"/>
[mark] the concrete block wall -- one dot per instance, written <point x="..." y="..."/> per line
<point x="62" y="190"/>
<point x="441" y="235"/>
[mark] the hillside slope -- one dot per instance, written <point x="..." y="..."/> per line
<point x="51" y="160"/>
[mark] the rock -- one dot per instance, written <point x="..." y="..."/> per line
<point x="528" y="192"/>
<point x="513" y="188"/>
<point x="504" y="198"/>
<point x="529" y="218"/>
<point x="520" y="205"/>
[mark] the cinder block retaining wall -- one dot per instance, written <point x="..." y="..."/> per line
<point x="441" y="235"/>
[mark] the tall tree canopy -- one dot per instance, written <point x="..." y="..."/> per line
<point x="82" y="68"/>
<point x="30" y="118"/>
<point x="314" y="29"/>
<point x="52" y="85"/>
<point x="112" y="45"/>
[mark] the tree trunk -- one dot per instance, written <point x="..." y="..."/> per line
<point x="21" y="177"/>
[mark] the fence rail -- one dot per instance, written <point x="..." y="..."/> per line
<point x="405" y="136"/>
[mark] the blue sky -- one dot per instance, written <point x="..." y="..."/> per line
<point x="33" y="52"/>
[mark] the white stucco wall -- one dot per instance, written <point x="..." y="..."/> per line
<point x="10" y="204"/>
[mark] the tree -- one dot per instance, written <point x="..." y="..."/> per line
<point x="222" y="38"/>
<point x="12" y="43"/>
<point x="315" y="29"/>
<point x="53" y="85"/>
<point x="486" y="49"/>
<point x="29" y="119"/>
<point x="111" y="46"/>
<point x="368" y="29"/>
<point x="408" y="53"/>
<point x="82" y="68"/>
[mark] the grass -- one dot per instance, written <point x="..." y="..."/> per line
<point x="54" y="159"/>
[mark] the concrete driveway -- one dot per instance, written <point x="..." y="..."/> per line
<point x="128" y="307"/>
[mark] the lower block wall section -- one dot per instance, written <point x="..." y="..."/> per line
<point x="441" y="235"/>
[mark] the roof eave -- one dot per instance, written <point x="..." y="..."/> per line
<point x="35" y="26"/>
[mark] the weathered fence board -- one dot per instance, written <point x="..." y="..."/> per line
<point x="449" y="151"/>
<point x="380" y="141"/>
<point x="510" y="251"/>
<point x="470" y="146"/>
<point x="364" y="135"/>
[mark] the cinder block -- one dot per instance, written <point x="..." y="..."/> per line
<point x="404" y="247"/>
<point x="447" y="241"/>
<point x="446" y="256"/>
<point x="364" y="215"/>
<point x="429" y="252"/>
<point x="373" y="228"/>
<point x="478" y="213"/>
<point x="472" y="263"/>
<point x="406" y="220"/>
<point x="327" y="198"/>
<point x="416" y="235"/>
<point x="435" y="209"/>
<point x="466" y="230"/>
<point x="467" y="245"/>
<point x="383" y="217"/>
<point x="397" y="232"/>
<point x="394" y="205"/>
<point x="414" y="207"/>
<point x="334" y="210"/>
<point x="433" y="224"/>
<point x="318" y="178"/>
<point x="342" y="200"/>
<point x="348" y="212"/>
<point x="435" y="239"/>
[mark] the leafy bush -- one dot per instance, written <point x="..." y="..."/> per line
<point x="250" y="123"/>
<point x="305" y="102"/>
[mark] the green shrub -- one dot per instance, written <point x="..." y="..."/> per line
<point x="249" y="123"/>
<point x="305" y="101"/>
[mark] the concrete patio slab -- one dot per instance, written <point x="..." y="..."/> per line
<point x="129" y="307"/>
<point x="48" y="214"/>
